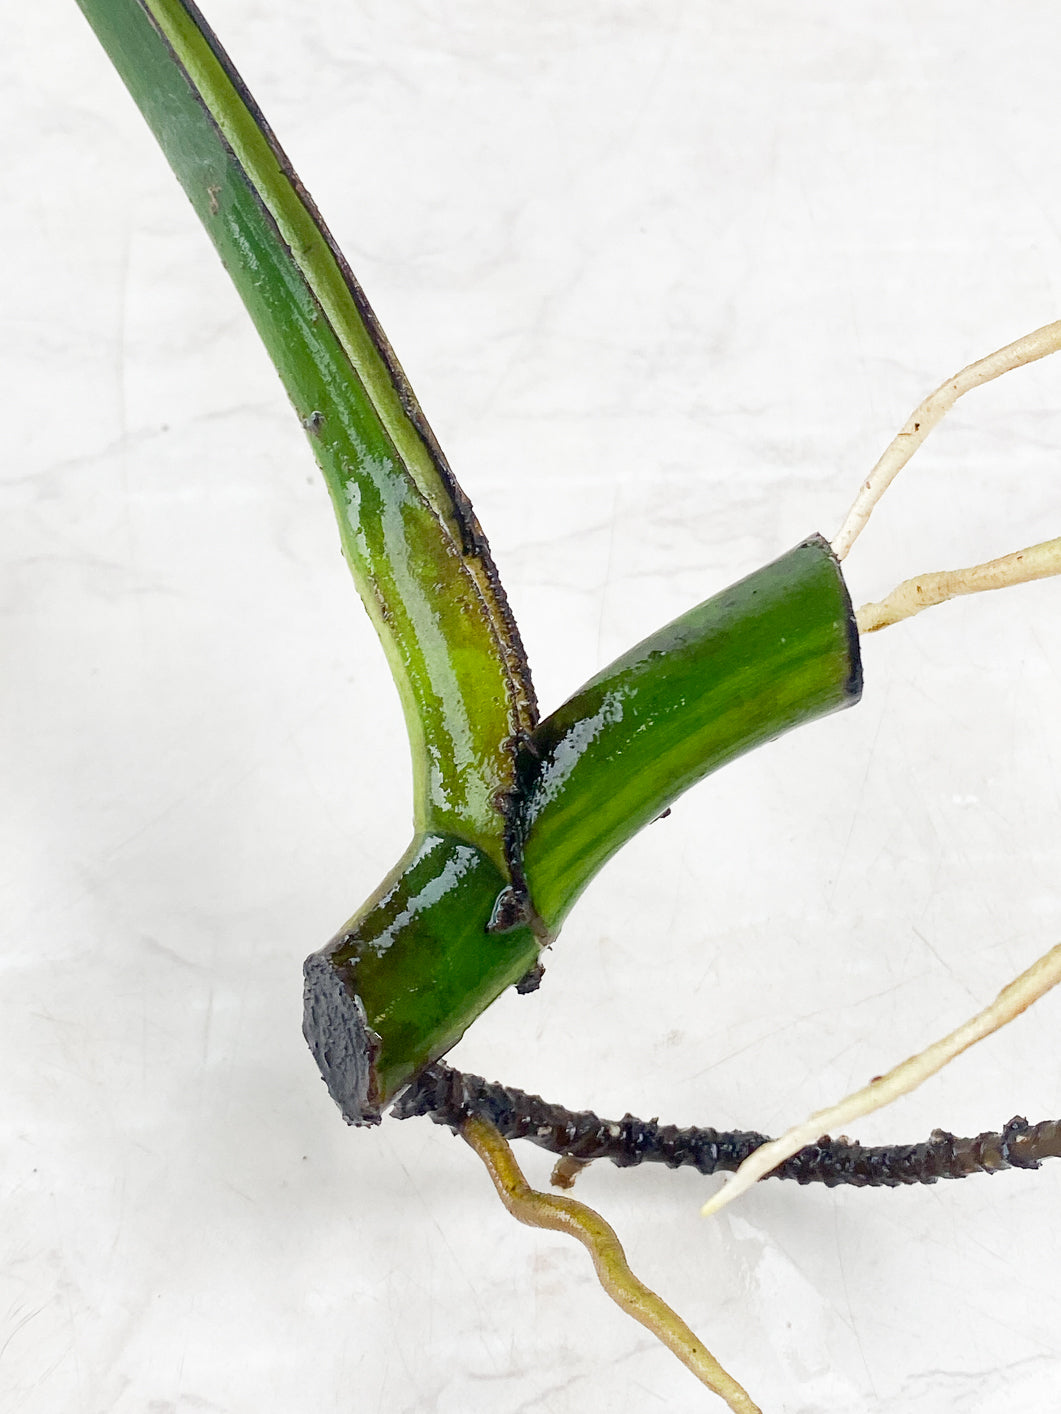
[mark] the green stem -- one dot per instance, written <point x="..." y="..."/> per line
<point x="401" y="982"/>
<point x="510" y="822"/>
<point x="778" y="649"/>
<point x="418" y="556"/>
<point x="409" y="973"/>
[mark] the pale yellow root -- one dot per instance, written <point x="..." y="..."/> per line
<point x="924" y="590"/>
<point x="547" y="1210"/>
<point x="928" y="414"/>
<point x="1010" y="1002"/>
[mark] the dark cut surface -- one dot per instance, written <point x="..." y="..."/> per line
<point x="341" y="1040"/>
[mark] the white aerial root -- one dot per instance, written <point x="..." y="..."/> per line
<point x="909" y="598"/>
<point x="928" y="414"/>
<point x="924" y="590"/>
<point x="881" y="1091"/>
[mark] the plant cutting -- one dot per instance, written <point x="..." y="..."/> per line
<point x="512" y="816"/>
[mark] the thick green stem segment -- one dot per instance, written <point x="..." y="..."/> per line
<point x="417" y="554"/>
<point x="776" y="650"/>
<point x="446" y="934"/>
<point x="454" y="924"/>
<point x="403" y="980"/>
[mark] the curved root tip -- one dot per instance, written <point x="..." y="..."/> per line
<point x="925" y="590"/>
<point x="546" y="1210"/>
<point x="927" y="415"/>
<point x="1014" y="998"/>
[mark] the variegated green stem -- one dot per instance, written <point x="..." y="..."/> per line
<point x="510" y="822"/>
<point x="774" y="651"/>
<point x="417" y="554"/>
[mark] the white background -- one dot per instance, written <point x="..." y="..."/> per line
<point x="666" y="277"/>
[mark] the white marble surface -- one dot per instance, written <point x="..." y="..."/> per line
<point x="666" y="277"/>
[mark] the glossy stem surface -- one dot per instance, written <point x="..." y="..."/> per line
<point x="775" y="650"/>
<point x="400" y="984"/>
<point x="455" y="923"/>
<point x="409" y="973"/>
<point x="418" y="556"/>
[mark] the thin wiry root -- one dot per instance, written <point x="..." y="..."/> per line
<point x="928" y="414"/>
<point x="1010" y="1002"/>
<point x="909" y="598"/>
<point x="547" y="1210"/>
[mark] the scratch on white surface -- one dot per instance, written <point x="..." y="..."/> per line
<point x="634" y="1351"/>
<point x="858" y="796"/>
<point x="852" y="1318"/>
<point x="804" y="1320"/>
<point x="121" y="395"/>
<point x="1030" y="1383"/>
<point x="943" y="962"/>
<point x="817" y="1014"/>
<point x="613" y="517"/>
<point x="20" y="1325"/>
<point x="163" y="950"/>
<point x="415" y="1184"/>
<point x="208" y="1024"/>
<point x="180" y="796"/>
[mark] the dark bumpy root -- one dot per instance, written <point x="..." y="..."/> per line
<point x="449" y="1096"/>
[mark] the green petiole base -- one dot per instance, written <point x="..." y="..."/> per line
<point x="407" y="976"/>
